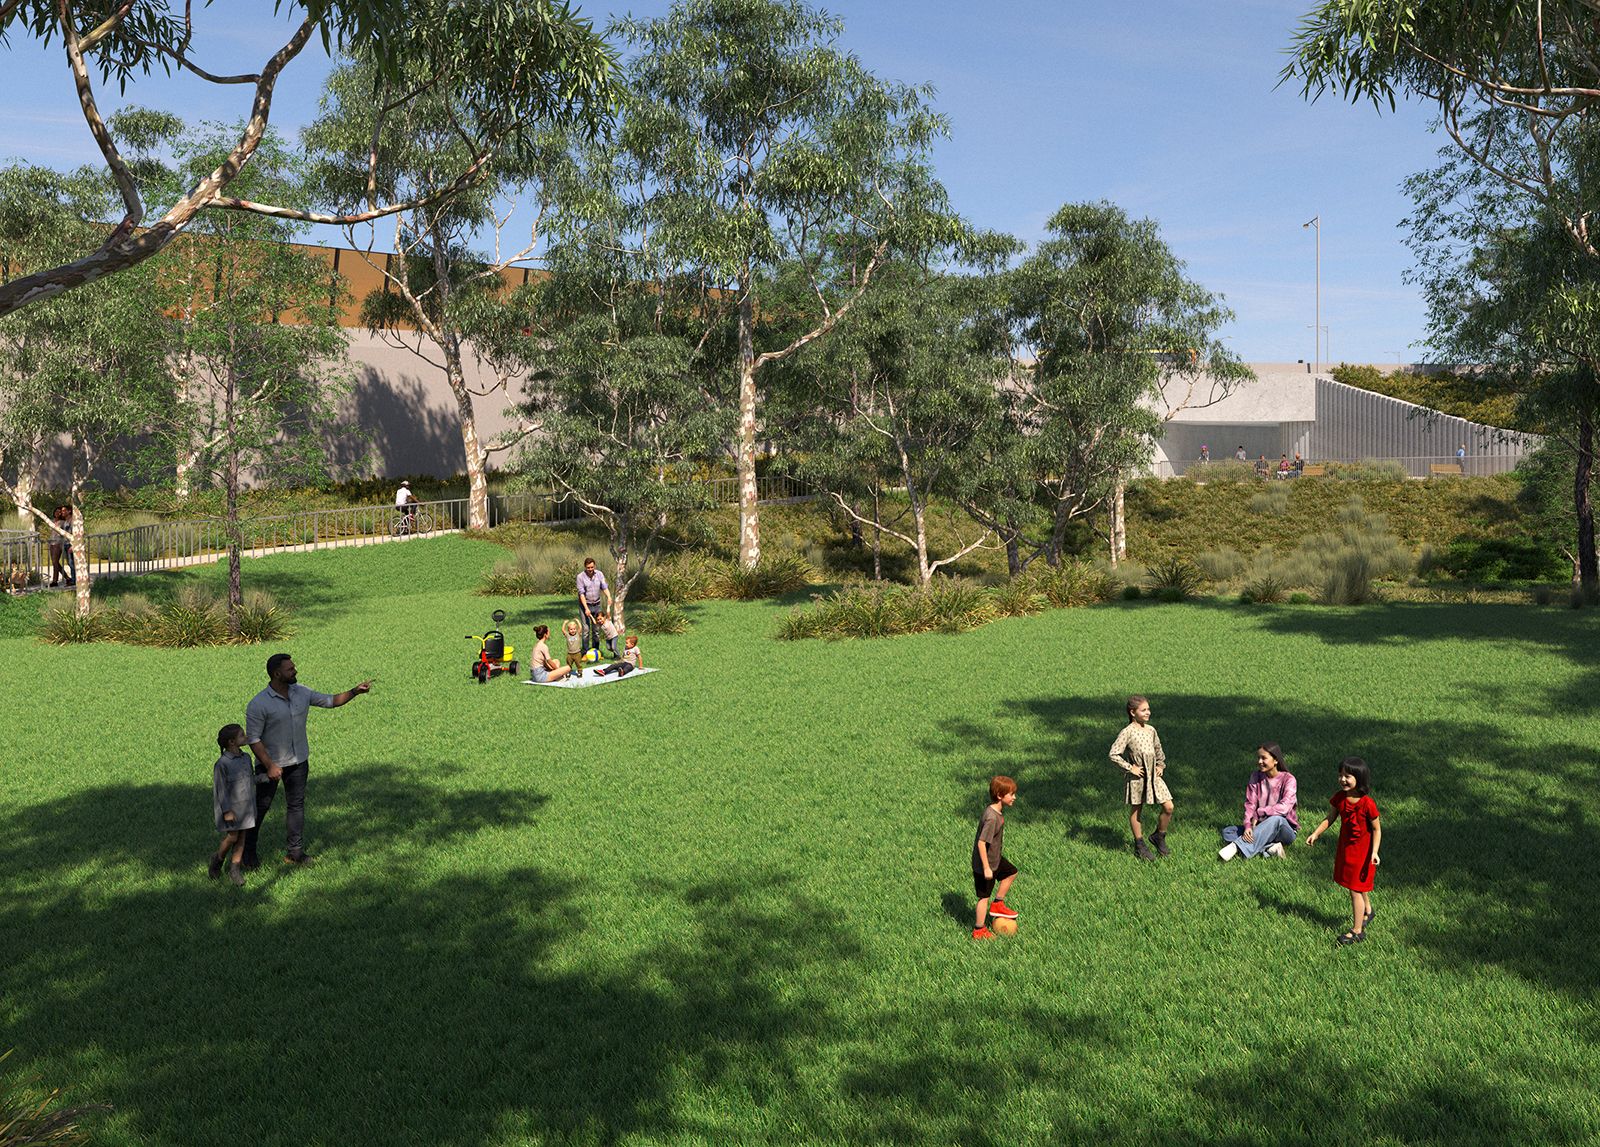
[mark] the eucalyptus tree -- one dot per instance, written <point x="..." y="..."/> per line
<point x="767" y="145"/>
<point x="618" y="382"/>
<point x="511" y="62"/>
<point x="1508" y="292"/>
<point x="257" y="347"/>
<point x="445" y="289"/>
<point x="904" y="397"/>
<point x="1109" y="339"/>
<point x="91" y="367"/>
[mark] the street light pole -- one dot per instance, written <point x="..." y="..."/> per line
<point x="1316" y="356"/>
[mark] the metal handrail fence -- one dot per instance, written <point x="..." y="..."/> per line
<point x="195" y="541"/>
<point x="1415" y="466"/>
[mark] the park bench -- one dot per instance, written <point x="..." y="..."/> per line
<point x="1313" y="471"/>
<point x="1444" y="469"/>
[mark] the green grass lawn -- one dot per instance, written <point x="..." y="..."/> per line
<point x="729" y="902"/>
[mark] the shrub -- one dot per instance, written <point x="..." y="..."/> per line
<point x="1299" y="599"/>
<point x="130" y="619"/>
<point x="1131" y="593"/>
<point x="196" y="618"/>
<point x="1220" y="565"/>
<point x="1501" y="559"/>
<point x="1016" y="599"/>
<point x="1070" y="584"/>
<point x="663" y="618"/>
<point x="1543" y="595"/>
<point x="1227" y="470"/>
<point x="538" y="568"/>
<point x="1174" y="579"/>
<point x="1272" y="500"/>
<point x="1369" y="470"/>
<point x="261" y="618"/>
<point x="680" y="577"/>
<point x="955" y="605"/>
<point x="1343" y="563"/>
<point x="771" y="577"/>
<point x="800" y="623"/>
<point x="62" y="625"/>
<point x="1264" y="590"/>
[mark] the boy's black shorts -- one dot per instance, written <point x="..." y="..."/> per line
<point x="984" y="885"/>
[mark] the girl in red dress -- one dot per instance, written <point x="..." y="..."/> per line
<point x="1360" y="833"/>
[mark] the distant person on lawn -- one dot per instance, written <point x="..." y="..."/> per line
<point x="60" y="546"/>
<point x="1270" y="820"/>
<point x="592" y="588"/>
<point x="275" y="730"/>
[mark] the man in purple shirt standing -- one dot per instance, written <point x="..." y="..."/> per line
<point x="1270" y="821"/>
<point x="592" y="587"/>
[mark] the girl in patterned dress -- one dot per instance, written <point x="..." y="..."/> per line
<point x="1137" y="752"/>
<point x="1360" y="834"/>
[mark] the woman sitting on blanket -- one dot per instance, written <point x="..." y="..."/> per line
<point x="544" y="668"/>
<point x="630" y="659"/>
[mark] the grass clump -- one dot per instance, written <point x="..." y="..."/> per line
<point x="662" y="618"/>
<point x="1070" y="584"/>
<point x="1265" y="589"/>
<point x="771" y="577"/>
<point x="685" y="576"/>
<point x="30" y="1117"/>
<point x="1175" y="579"/>
<point x="1221" y="565"/>
<point x="1272" y="500"/>
<point x="537" y="568"/>
<point x="196" y="617"/>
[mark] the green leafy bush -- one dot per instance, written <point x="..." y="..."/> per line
<point x="661" y="618"/>
<point x="1131" y="593"/>
<point x="684" y="576"/>
<point x="1369" y="470"/>
<point x="1299" y="599"/>
<point x="196" y="618"/>
<point x="1501" y="559"/>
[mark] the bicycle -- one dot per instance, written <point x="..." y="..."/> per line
<point x="413" y="522"/>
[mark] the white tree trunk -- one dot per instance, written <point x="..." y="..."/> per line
<point x="22" y="492"/>
<point x="1119" y="524"/>
<point x="477" y="459"/>
<point x="80" y="539"/>
<point x="749" y="514"/>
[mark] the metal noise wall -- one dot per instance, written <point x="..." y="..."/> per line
<point x="1353" y="424"/>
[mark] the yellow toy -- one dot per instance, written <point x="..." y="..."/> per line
<point x="494" y="655"/>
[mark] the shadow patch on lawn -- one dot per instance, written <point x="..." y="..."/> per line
<point x="403" y="1007"/>
<point x="1461" y="828"/>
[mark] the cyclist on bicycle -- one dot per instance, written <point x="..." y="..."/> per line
<point x="404" y="499"/>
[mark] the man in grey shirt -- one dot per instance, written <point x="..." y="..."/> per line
<point x="275" y="730"/>
<point x="592" y="587"/>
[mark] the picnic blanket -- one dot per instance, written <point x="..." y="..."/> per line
<point x="590" y="678"/>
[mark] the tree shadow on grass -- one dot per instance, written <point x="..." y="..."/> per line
<point x="388" y="1003"/>
<point x="1455" y="828"/>
<point x="1294" y="1093"/>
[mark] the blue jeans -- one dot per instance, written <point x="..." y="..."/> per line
<point x="1272" y="830"/>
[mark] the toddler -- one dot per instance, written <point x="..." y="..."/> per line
<point x="608" y="626"/>
<point x="629" y="662"/>
<point x="574" y="647"/>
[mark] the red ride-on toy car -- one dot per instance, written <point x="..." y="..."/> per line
<point x="494" y="655"/>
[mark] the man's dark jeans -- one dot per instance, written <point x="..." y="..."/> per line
<point x="294" y="789"/>
<point x="593" y="635"/>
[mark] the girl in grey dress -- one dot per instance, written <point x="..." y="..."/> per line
<point x="233" y="800"/>
<point x="1137" y="752"/>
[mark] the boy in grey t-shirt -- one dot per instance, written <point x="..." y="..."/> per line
<point x="988" y="861"/>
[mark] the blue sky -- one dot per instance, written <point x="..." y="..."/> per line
<point x="1168" y="109"/>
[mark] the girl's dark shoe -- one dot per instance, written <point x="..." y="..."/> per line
<point x="1352" y="938"/>
<point x="1159" y="839"/>
<point x="1142" y="850"/>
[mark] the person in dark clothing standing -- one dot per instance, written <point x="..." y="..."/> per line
<point x="275" y="730"/>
